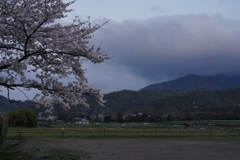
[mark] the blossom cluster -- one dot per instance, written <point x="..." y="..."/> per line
<point x="32" y="43"/>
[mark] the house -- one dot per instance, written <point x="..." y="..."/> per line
<point x="93" y="117"/>
<point x="81" y="121"/>
<point x="49" y="118"/>
<point x="100" y="117"/>
<point x="59" y="121"/>
<point x="52" y="118"/>
<point x="41" y="118"/>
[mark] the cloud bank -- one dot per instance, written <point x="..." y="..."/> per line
<point x="164" y="48"/>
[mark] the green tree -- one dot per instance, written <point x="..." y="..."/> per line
<point x="119" y="118"/>
<point x="17" y="118"/>
<point x="189" y="116"/>
<point x="22" y="118"/>
<point x="144" y="117"/>
<point x="63" y="116"/>
<point x="107" y="119"/>
<point x="171" y="118"/>
<point x="88" y="117"/>
<point x="31" y="118"/>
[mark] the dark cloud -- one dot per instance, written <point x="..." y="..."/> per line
<point x="167" y="47"/>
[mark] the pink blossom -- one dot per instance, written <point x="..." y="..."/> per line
<point x="31" y="42"/>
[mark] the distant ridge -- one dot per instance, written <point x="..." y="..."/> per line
<point x="193" y="82"/>
<point x="191" y="93"/>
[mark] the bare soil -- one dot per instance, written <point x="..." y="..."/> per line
<point x="126" y="149"/>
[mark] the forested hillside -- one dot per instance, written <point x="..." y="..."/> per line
<point x="5" y="104"/>
<point x="199" y="101"/>
<point x="123" y="101"/>
<point x="211" y="97"/>
<point x="192" y="82"/>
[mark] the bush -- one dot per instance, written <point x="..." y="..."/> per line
<point x="45" y="124"/>
<point x="22" y="118"/>
<point x="31" y="118"/>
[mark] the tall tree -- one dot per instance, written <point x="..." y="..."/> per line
<point x="36" y="52"/>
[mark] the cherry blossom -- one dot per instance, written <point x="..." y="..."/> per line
<point x="33" y="43"/>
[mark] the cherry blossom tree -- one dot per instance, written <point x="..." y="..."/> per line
<point x="36" y="52"/>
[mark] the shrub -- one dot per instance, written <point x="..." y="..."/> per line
<point x="22" y="118"/>
<point x="31" y="118"/>
<point x="17" y="118"/>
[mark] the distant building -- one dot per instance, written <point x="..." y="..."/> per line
<point x="59" y="121"/>
<point x="93" y="117"/>
<point x="41" y="118"/>
<point x="51" y="118"/>
<point x="81" y="121"/>
<point x="100" y="117"/>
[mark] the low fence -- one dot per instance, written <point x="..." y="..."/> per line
<point x="122" y="132"/>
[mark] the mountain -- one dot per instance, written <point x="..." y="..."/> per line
<point x="125" y="100"/>
<point x="193" y="82"/>
<point x="150" y="102"/>
<point x="199" y="101"/>
<point x="191" y="93"/>
<point x="120" y="101"/>
<point x="5" y="104"/>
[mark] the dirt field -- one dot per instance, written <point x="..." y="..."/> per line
<point x="127" y="149"/>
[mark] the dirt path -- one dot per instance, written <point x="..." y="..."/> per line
<point x="129" y="149"/>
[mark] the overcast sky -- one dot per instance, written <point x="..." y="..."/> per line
<point x="153" y="41"/>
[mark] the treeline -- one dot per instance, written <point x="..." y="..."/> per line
<point x="199" y="101"/>
<point x="157" y="102"/>
<point x="212" y="116"/>
<point x="27" y="118"/>
<point x="143" y="117"/>
<point x="125" y="100"/>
